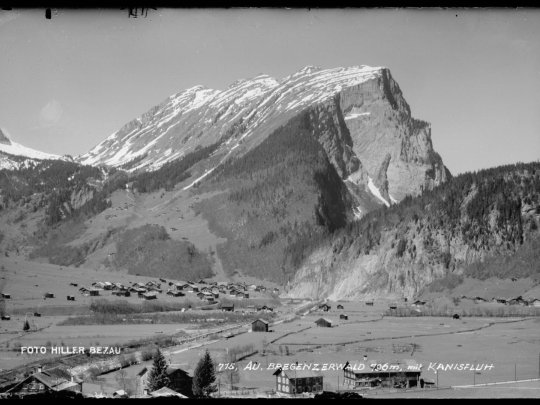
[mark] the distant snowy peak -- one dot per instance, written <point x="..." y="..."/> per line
<point x="15" y="156"/>
<point x="200" y="116"/>
<point x="14" y="148"/>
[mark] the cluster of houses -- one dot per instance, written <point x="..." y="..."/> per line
<point x="532" y="302"/>
<point x="209" y="292"/>
<point x="205" y="291"/>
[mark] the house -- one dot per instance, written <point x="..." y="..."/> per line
<point x="501" y="300"/>
<point x="6" y="317"/>
<point x="246" y="295"/>
<point x="93" y="292"/>
<point x="37" y="314"/>
<point x="518" y="301"/>
<point x="340" y="306"/>
<point x="478" y="300"/>
<point x="149" y="295"/>
<point x="298" y="382"/>
<point x="324" y="323"/>
<point x="178" y="286"/>
<point x="73" y="284"/>
<point x="179" y="381"/>
<point x="48" y="295"/>
<point x="239" y="294"/>
<point x="393" y="306"/>
<point x="265" y="308"/>
<point x="369" y="303"/>
<point x="107" y="285"/>
<point x="176" y="293"/>
<point x="275" y="290"/>
<point x="259" y="325"/>
<point x="6" y="296"/>
<point x="252" y="287"/>
<point x="122" y="293"/>
<point x="405" y="375"/>
<point x="52" y="380"/>
<point x="227" y="308"/>
<point x="70" y="298"/>
<point x="419" y="303"/>
<point x="191" y="288"/>
<point x="343" y="316"/>
<point x="535" y="302"/>
<point x="325" y="307"/>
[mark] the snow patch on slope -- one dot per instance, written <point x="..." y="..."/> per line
<point x="375" y="191"/>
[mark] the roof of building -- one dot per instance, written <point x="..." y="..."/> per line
<point x="323" y="319"/>
<point x="56" y="379"/>
<point x="260" y="320"/>
<point x="292" y="374"/>
<point x="166" y="392"/>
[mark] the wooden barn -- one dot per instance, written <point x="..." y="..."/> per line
<point x="298" y="382"/>
<point x="340" y="306"/>
<point x="325" y="307"/>
<point x="369" y="303"/>
<point x="324" y="323"/>
<point x="48" y="295"/>
<point x="93" y="292"/>
<point x="344" y="316"/>
<point x="227" y="308"/>
<point x="259" y="325"/>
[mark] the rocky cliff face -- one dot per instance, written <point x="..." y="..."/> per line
<point x="444" y="235"/>
<point x="364" y="125"/>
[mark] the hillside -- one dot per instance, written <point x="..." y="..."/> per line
<point x="478" y="225"/>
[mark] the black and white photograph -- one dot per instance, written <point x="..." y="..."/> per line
<point x="269" y="203"/>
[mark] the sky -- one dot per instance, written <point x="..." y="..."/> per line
<point x="69" y="82"/>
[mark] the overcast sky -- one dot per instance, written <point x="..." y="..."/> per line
<point x="69" y="82"/>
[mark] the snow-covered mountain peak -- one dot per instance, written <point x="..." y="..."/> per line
<point x="14" y="155"/>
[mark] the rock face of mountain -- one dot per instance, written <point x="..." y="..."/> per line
<point x="476" y="226"/>
<point x="14" y="155"/>
<point x="364" y="125"/>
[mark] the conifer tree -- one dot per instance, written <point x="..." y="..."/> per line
<point x="204" y="377"/>
<point x="158" y="375"/>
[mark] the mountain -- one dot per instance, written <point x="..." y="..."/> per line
<point x="476" y="230"/>
<point x="246" y="180"/>
<point x="364" y="125"/>
<point x="14" y="155"/>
